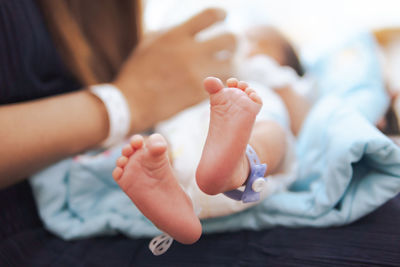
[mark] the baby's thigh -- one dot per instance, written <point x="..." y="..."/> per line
<point x="273" y="107"/>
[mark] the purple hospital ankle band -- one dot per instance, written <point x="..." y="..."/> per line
<point x="255" y="182"/>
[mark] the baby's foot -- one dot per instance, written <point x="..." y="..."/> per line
<point x="223" y="165"/>
<point x="146" y="176"/>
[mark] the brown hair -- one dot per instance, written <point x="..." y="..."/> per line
<point x="292" y="59"/>
<point x="93" y="37"/>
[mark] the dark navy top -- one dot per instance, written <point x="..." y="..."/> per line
<point x="30" y="67"/>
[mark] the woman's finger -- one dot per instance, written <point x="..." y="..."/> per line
<point x="201" y="21"/>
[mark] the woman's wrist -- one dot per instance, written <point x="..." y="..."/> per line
<point x="117" y="111"/>
<point x="137" y="106"/>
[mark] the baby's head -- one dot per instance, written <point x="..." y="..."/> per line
<point x="269" y="41"/>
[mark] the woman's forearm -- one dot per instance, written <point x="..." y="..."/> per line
<point x="37" y="133"/>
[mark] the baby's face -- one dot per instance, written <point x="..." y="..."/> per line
<point x="268" y="41"/>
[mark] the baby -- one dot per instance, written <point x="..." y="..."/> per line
<point x="145" y="173"/>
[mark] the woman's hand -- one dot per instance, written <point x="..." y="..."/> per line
<point x="164" y="75"/>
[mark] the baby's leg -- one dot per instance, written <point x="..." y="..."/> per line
<point x="269" y="140"/>
<point x="224" y="165"/>
<point x="297" y="106"/>
<point x="146" y="176"/>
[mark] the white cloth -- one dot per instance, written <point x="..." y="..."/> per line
<point x="186" y="133"/>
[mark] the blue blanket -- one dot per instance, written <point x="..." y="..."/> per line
<point x="348" y="168"/>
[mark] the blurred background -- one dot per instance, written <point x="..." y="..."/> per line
<point x="311" y="25"/>
<point x="302" y="21"/>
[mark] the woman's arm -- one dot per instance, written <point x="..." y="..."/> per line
<point x="37" y="133"/>
<point x="160" y="78"/>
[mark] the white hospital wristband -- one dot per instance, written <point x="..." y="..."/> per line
<point x="119" y="115"/>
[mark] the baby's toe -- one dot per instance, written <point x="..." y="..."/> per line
<point x="213" y="85"/>
<point x="156" y="144"/>
<point x="127" y="150"/>
<point x="242" y="85"/>
<point x="122" y="161"/>
<point x="232" y="82"/>
<point x="117" y="173"/>
<point x="256" y="98"/>
<point x="137" y="141"/>
<point x="249" y="90"/>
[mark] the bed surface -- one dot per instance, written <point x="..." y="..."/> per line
<point x="371" y="241"/>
